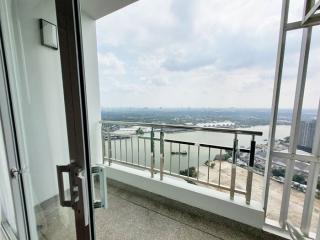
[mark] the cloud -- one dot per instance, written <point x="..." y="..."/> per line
<point x="197" y="53"/>
<point x="110" y="64"/>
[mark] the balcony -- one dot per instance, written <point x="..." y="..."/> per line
<point x="213" y="169"/>
<point x="160" y="180"/>
<point x="188" y="165"/>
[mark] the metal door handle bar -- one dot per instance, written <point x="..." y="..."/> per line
<point x="60" y="170"/>
<point x="100" y="172"/>
<point x="78" y="191"/>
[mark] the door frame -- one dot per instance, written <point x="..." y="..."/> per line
<point x="74" y="86"/>
<point x="11" y="146"/>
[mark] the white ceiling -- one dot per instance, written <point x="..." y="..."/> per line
<point x="99" y="8"/>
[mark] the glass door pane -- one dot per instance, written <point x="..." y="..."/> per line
<point x="37" y="92"/>
<point x="7" y="214"/>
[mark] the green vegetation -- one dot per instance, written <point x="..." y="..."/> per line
<point x="259" y="167"/>
<point x="228" y="154"/>
<point x="225" y="156"/>
<point x="139" y="131"/>
<point x="199" y="115"/>
<point x="192" y="172"/>
<point x="210" y="163"/>
<point x="299" y="178"/>
<point x="278" y="172"/>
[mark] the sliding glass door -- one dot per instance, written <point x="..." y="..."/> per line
<point x="46" y="75"/>
<point x="7" y="213"/>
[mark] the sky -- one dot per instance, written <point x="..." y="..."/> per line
<point x="200" y="53"/>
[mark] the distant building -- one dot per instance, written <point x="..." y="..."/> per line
<point x="306" y="135"/>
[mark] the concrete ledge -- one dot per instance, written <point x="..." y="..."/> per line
<point x="200" y="197"/>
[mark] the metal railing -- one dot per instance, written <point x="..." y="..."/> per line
<point x="114" y="140"/>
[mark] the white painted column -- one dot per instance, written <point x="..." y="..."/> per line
<point x="296" y="116"/>
<point x="92" y="87"/>
<point x="312" y="181"/>
<point x="275" y="100"/>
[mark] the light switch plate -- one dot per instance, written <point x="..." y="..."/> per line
<point x="49" y="35"/>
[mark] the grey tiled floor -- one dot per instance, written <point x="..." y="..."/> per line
<point x="133" y="216"/>
<point x="127" y="220"/>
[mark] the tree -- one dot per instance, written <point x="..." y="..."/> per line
<point x="192" y="172"/>
<point x="278" y="172"/>
<point x="139" y="131"/>
<point x="299" y="178"/>
<point x="210" y="163"/>
<point x="228" y="154"/>
<point x="259" y="166"/>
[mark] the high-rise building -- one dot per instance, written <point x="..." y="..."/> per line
<point x="306" y="135"/>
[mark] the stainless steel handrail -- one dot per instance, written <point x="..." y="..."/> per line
<point x="194" y="143"/>
<point x="109" y="135"/>
<point x="195" y="128"/>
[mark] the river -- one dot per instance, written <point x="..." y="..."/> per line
<point x="180" y="162"/>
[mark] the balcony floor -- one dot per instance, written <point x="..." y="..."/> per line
<point x="133" y="215"/>
<point x="136" y="214"/>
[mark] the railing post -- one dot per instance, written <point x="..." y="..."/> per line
<point x="198" y="170"/>
<point x="250" y="170"/>
<point x="234" y="166"/>
<point x="171" y="157"/>
<point x="115" y="147"/>
<point x="131" y="143"/>
<point x="179" y="156"/>
<point x="109" y="146"/>
<point x="103" y="142"/>
<point x="138" y="146"/>
<point x="220" y="168"/>
<point x="209" y="159"/>
<point x="188" y="161"/>
<point x="126" y="145"/>
<point x="152" y="151"/>
<point x="120" y="148"/>
<point x="161" y="153"/>
<point x="145" y="152"/>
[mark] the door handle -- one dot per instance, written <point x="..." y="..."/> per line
<point x="99" y="171"/>
<point x="60" y="170"/>
<point x="78" y="190"/>
<point x="83" y="198"/>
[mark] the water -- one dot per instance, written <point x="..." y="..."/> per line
<point x="140" y="153"/>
